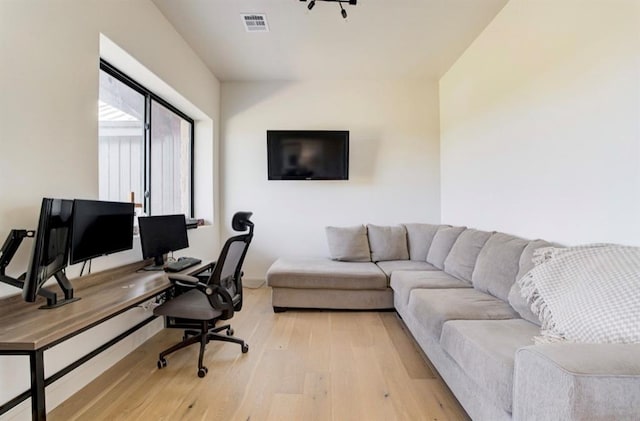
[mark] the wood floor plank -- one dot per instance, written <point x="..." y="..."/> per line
<point x="410" y="354"/>
<point x="301" y="365"/>
<point x="285" y="407"/>
<point x="317" y="397"/>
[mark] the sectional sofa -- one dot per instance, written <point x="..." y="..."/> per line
<point x="455" y="289"/>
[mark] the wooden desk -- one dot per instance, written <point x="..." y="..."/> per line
<point x="27" y="330"/>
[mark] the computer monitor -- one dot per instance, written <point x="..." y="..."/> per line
<point x="50" y="253"/>
<point x="100" y="228"/>
<point x="160" y="235"/>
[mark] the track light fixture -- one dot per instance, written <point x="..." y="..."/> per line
<point x="343" y="12"/>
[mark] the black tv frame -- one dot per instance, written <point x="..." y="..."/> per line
<point x="276" y="135"/>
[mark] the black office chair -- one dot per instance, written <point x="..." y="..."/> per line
<point x="211" y="299"/>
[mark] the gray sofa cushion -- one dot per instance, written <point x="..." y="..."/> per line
<point x="464" y="252"/>
<point x="498" y="264"/>
<point x="441" y="245"/>
<point x="419" y="238"/>
<point x="390" y="266"/>
<point x="325" y="273"/>
<point x="526" y="264"/>
<point x="388" y="243"/>
<point x="404" y="281"/>
<point x="349" y="244"/>
<point x="485" y="350"/>
<point x="526" y="258"/>
<point x="434" y="307"/>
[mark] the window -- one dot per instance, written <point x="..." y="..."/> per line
<point x="145" y="147"/>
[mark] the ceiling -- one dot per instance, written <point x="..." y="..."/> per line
<point x="381" y="39"/>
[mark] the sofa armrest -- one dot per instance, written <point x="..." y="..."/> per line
<point x="577" y="382"/>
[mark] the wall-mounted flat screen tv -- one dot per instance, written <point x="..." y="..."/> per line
<point x="308" y="154"/>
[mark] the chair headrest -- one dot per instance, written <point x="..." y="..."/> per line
<point x="241" y="221"/>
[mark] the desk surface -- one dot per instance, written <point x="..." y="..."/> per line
<point x="24" y="327"/>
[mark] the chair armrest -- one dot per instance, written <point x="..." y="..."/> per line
<point x="577" y="381"/>
<point x="226" y="304"/>
<point x="184" y="280"/>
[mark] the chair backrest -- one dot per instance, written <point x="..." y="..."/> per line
<point x="228" y="269"/>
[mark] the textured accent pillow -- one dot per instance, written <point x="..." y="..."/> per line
<point x="442" y="243"/>
<point x="586" y="294"/>
<point x="388" y="243"/>
<point x="348" y="244"/>
<point x="419" y="238"/>
<point x="498" y="264"/>
<point x="516" y="300"/>
<point x="462" y="257"/>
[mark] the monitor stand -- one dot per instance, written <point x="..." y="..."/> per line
<point x="9" y="249"/>
<point x="52" y="297"/>
<point x="158" y="264"/>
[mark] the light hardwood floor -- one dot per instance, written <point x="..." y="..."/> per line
<point x="301" y="365"/>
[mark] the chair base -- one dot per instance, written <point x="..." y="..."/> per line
<point x="202" y="336"/>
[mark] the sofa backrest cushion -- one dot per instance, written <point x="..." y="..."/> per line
<point x="497" y="265"/>
<point x="388" y="243"/>
<point x="464" y="252"/>
<point x="348" y="243"/>
<point x="516" y="300"/>
<point x="442" y="243"/>
<point x="419" y="238"/>
<point x="526" y="258"/>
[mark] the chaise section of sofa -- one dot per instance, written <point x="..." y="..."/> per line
<point x="328" y="284"/>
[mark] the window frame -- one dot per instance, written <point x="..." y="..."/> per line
<point x="149" y="96"/>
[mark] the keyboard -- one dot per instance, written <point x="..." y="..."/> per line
<point x="181" y="264"/>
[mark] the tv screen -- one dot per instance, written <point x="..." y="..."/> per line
<point x="51" y="246"/>
<point x="160" y="235"/>
<point x="100" y="228"/>
<point x="308" y="155"/>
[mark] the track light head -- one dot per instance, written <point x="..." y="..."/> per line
<point x="343" y="12"/>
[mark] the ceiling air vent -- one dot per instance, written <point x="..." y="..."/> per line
<point x="255" y="22"/>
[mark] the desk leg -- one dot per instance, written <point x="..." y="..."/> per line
<point x="38" y="409"/>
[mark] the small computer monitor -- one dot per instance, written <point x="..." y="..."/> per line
<point x="160" y="235"/>
<point x="100" y="228"/>
<point x="50" y="252"/>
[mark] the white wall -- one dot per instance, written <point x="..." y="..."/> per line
<point x="393" y="175"/>
<point x="49" y="130"/>
<point x="540" y="123"/>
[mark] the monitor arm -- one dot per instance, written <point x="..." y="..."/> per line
<point x="9" y="249"/>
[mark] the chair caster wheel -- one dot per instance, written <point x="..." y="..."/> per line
<point x="162" y="363"/>
<point x="245" y="348"/>
<point x="229" y="332"/>
<point x="202" y="372"/>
